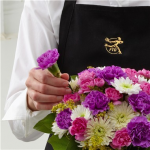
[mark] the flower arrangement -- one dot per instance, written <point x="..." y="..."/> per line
<point x="109" y="108"/>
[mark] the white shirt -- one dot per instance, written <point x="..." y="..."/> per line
<point x="38" y="32"/>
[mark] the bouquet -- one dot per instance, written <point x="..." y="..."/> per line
<point x="109" y="109"/>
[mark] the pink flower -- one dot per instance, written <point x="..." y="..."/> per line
<point x="85" y="86"/>
<point x="121" y="139"/>
<point x="145" y="87"/>
<point x="78" y="128"/>
<point x="99" y="82"/>
<point x="75" y="97"/>
<point x="86" y="75"/>
<point x="86" y="80"/>
<point x="113" y="94"/>
<point x="145" y="73"/>
<point x="132" y="74"/>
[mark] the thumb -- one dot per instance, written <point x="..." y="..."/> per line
<point x="65" y="76"/>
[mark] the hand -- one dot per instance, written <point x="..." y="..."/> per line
<point x="45" y="90"/>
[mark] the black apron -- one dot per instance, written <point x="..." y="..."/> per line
<point x="92" y="35"/>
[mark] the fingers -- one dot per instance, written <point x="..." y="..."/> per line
<point x="39" y="97"/>
<point x="44" y="106"/>
<point x="46" y="77"/>
<point x="45" y="88"/>
<point x="65" y="76"/>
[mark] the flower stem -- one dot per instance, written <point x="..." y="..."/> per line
<point x="55" y="70"/>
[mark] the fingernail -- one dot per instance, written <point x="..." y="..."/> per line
<point x="68" y="91"/>
<point x="59" y="98"/>
<point x="65" y="84"/>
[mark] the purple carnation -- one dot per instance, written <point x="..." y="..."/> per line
<point x="140" y="102"/>
<point x="63" y="119"/>
<point x="97" y="102"/>
<point x="48" y="59"/>
<point x="139" y="131"/>
<point x="111" y="72"/>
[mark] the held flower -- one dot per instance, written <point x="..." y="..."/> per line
<point x="140" y="102"/>
<point x="126" y="86"/>
<point x="74" y="84"/>
<point x="111" y="72"/>
<point x="97" y="102"/>
<point x="48" y="60"/>
<point x="121" y="139"/>
<point x="139" y="131"/>
<point x="78" y="128"/>
<point x="63" y="119"/>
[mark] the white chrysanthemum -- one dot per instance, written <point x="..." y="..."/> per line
<point x="101" y="68"/>
<point x="126" y="86"/>
<point x="149" y="81"/>
<point x="148" y="117"/>
<point x="73" y="83"/>
<point x="82" y="143"/>
<point x="81" y="111"/>
<point x="99" y="131"/>
<point x="141" y="79"/>
<point x="121" y="115"/>
<point x="58" y="131"/>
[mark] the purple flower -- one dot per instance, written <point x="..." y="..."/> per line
<point x="63" y="119"/>
<point x="139" y="131"/>
<point x="140" y="102"/>
<point x="48" y="59"/>
<point x="111" y="72"/>
<point x="97" y="102"/>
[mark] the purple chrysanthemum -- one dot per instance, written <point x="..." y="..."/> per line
<point x="111" y="72"/>
<point x="97" y="102"/>
<point x="48" y="59"/>
<point x="140" y="102"/>
<point x="139" y="131"/>
<point x="63" y="119"/>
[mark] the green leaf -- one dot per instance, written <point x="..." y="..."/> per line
<point x="73" y="77"/>
<point x="45" y="124"/>
<point x="64" y="143"/>
<point x="148" y="148"/>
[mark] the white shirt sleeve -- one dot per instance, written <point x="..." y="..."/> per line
<point x="36" y="35"/>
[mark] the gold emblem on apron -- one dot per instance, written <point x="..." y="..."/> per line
<point x="112" y="46"/>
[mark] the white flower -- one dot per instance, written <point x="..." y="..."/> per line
<point x="73" y="83"/>
<point x="121" y="115"/>
<point x="149" y="81"/>
<point x="141" y="79"/>
<point x="126" y="86"/>
<point x="101" y="68"/>
<point x="58" y="131"/>
<point x="81" y="111"/>
<point x="99" y="131"/>
<point x="148" y="117"/>
<point x="82" y="143"/>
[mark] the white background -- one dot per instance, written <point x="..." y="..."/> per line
<point x="10" y="18"/>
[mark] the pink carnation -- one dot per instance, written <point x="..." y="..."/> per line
<point x="75" y="97"/>
<point x="132" y="74"/>
<point x="86" y="80"/>
<point x="99" y="82"/>
<point x="85" y="75"/>
<point x="113" y="94"/>
<point x="145" y="73"/>
<point x="78" y="128"/>
<point x="145" y="87"/>
<point x="121" y="139"/>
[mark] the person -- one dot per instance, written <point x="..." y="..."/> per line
<point x="78" y="29"/>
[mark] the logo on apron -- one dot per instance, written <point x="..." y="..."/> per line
<point x="112" y="45"/>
